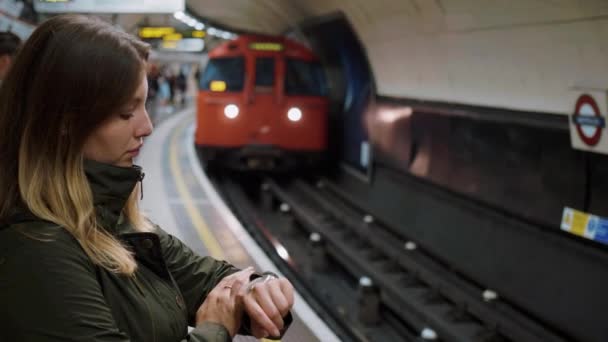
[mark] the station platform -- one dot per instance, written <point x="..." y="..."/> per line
<point x="179" y="197"/>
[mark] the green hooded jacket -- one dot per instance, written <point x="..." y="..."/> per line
<point x="51" y="291"/>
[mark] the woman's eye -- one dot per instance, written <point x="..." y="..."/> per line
<point x="126" y="116"/>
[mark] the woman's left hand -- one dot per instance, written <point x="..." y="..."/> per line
<point x="267" y="301"/>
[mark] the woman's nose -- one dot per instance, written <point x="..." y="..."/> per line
<point x="145" y="126"/>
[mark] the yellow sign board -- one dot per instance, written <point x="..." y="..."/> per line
<point x="259" y="46"/>
<point x="585" y="225"/>
<point x="155" y="32"/>
<point x="172" y="37"/>
<point x="198" y="34"/>
<point x="169" y="33"/>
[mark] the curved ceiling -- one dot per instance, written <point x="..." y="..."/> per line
<point x="274" y="17"/>
<point x="520" y="54"/>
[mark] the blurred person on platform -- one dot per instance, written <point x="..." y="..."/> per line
<point x="9" y="44"/>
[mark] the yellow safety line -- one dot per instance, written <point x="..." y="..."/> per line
<point x="197" y="219"/>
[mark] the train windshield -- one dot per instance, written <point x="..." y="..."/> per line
<point x="304" y="78"/>
<point x="229" y="70"/>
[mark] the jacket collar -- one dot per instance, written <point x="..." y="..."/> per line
<point x="111" y="187"/>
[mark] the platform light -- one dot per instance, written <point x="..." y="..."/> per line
<point x="294" y="114"/>
<point x="282" y="252"/>
<point x="189" y="20"/>
<point x="231" y="111"/>
<point x="212" y="31"/>
<point x="179" y="15"/>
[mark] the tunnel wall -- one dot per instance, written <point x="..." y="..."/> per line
<point x="466" y="181"/>
<point x="520" y="163"/>
<point x="483" y="190"/>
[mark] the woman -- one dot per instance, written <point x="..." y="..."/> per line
<point x="78" y="261"/>
<point x="9" y="44"/>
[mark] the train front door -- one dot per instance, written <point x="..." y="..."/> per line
<point x="262" y="106"/>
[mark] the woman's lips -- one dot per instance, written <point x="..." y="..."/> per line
<point x="134" y="151"/>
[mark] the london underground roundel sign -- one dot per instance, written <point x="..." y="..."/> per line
<point x="588" y="120"/>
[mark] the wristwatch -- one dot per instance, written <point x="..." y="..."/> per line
<point x="260" y="278"/>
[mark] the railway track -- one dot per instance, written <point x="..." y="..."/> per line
<point x="368" y="282"/>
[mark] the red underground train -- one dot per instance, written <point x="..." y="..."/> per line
<point x="262" y="105"/>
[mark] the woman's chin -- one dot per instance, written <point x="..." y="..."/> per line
<point x="125" y="163"/>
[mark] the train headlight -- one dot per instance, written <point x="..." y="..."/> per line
<point x="231" y="111"/>
<point x="294" y="114"/>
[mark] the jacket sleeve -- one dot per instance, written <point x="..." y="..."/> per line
<point x="49" y="292"/>
<point x="209" y="332"/>
<point x="195" y="275"/>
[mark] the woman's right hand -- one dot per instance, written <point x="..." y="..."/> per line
<point x="222" y="305"/>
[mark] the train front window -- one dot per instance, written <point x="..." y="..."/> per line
<point x="264" y="74"/>
<point x="230" y="71"/>
<point x="304" y="78"/>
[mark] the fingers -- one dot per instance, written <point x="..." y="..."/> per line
<point x="287" y="290"/>
<point x="224" y="304"/>
<point x="257" y="331"/>
<point x="264" y="298"/>
<point x="243" y="275"/>
<point x="236" y="287"/>
<point x="258" y="314"/>
<point x="220" y="306"/>
<point x="278" y="297"/>
<point x="267" y="302"/>
<point x="234" y="281"/>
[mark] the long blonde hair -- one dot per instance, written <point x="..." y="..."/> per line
<point x="70" y="75"/>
